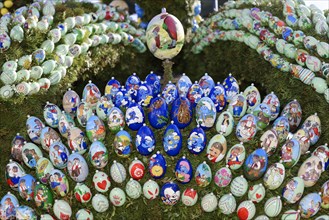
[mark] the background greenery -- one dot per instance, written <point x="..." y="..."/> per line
<point x="218" y="60"/>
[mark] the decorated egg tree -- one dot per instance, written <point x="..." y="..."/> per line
<point x="124" y="144"/>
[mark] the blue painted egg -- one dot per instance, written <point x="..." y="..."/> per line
<point x="181" y="112"/>
<point x="205" y="113"/>
<point x="103" y="107"/>
<point x="183" y="85"/>
<point x="255" y="164"/>
<point x="287" y="34"/>
<point x="274" y="103"/>
<point x="246" y="128"/>
<point x="77" y="167"/>
<point x="157" y="166"/>
<point x="122" y="98"/>
<point x="23" y="211"/>
<point x="170" y="93"/>
<point x="26" y="187"/>
<point x="91" y="94"/>
<point x="183" y="170"/>
<point x="134" y="116"/>
<point x="144" y="94"/>
<point x="207" y="84"/>
<point x="170" y="193"/>
<point x="95" y="129"/>
<point x="158" y="114"/>
<point x="34" y="126"/>
<point x="112" y="87"/>
<point x="132" y="85"/>
<point x="115" y="120"/>
<point x="58" y="155"/>
<point x="122" y="144"/>
<point x="263" y="114"/>
<point x="290" y="153"/>
<point x="281" y="127"/>
<point x="218" y="96"/>
<point x="84" y="111"/>
<point x="145" y="140"/>
<point x="231" y="87"/>
<point x="153" y="81"/>
<point x="238" y="105"/>
<point x="203" y="175"/>
<point x="195" y="93"/>
<point x="51" y="114"/>
<point x="71" y="101"/>
<point x="310" y="205"/>
<point x="172" y="140"/>
<point x="196" y="141"/>
<point x="293" y="113"/>
<point x="253" y="97"/>
<point x="8" y="206"/>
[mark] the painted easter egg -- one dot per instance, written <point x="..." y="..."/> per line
<point x="246" y="128"/>
<point x="273" y="207"/>
<point x="281" y="127"/>
<point x="196" y="141"/>
<point x="263" y="114"/>
<point x="16" y="147"/>
<point x="291" y="214"/>
<point x="313" y="63"/>
<point x="103" y="106"/>
<point x="26" y="187"/>
<point x="194" y="94"/>
<point x="183" y="85"/>
<point x="66" y="122"/>
<point x="112" y="87"/>
<point x="101" y="181"/>
<point x="25" y="212"/>
<point x="132" y="85"/>
<point x="5" y="41"/>
<point x="43" y="197"/>
<point x="205" y="113"/>
<point x="189" y="197"/>
<point x="43" y="169"/>
<point x="77" y="167"/>
<point x="293" y="190"/>
<point x="157" y="166"/>
<point x="170" y="93"/>
<point x="309" y="205"/>
<point x="51" y="114"/>
<point x="246" y="210"/>
<point x="274" y="176"/>
<point x="62" y="209"/>
<point x="203" y="175"/>
<point x="122" y="98"/>
<point x="207" y="84"/>
<point x="115" y="120"/>
<point x="183" y="170"/>
<point x="145" y="140"/>
<point x="48" y="137"/>
<point x="310" y="171"/>
<point x="118" y="172"/>
<point x="83" y="214"/>
<point x="252" y="96"/>
<point x="158" y="114"/>
<point x="134" y="116"/>
<point x="9" y="203"/>
<point x="58" y="183"/>
<point x="216" y="148"/>
<point x="236" y="156"/>
<point x="151" y="189"/>
<point x="256" y="193"/>
<point x="225" y="123"/>
<point x="98" y="155"/>
<point x="223" y="177"/>
<point x="239" y="186"/>
<point x="255" y="164"/>
<point x="322" y="49"/>
<point x="144" y="94"/>
<point x="293" y="112"/>
<point x="31" y="153"/>
<point x="319" y="85"/>
<point x="77" y="140"/>
<point x="181" y="112"/>
<point x="13" y="173"/>
<point x="170" y="193"/>
<point x="313" y="126"/>
<point x="209" y="202"/>
<point x="325" y="195"/>
<point x="231" y="87"/>
<point x="34" y="126"/>
<point x="136" y="169"/>
<point x="153" y="81"/>
<point x="82" y="193"/>
<point x="91" y="94"/>
<point x="227" y="204"/>
<point x="238" y="105"/>
<point x="133" y="189"/>
<point x="172" y="140"/>
<point x="122" y="144"/>
<point x="218" y="96"/>
<point x="290" y="153"/>
<point x="269" y="141"/>
<point x="302" y="136"/>
<point x="322" y="152"/>
<point x="100" y="203"/>
<point x="95" y="129"/>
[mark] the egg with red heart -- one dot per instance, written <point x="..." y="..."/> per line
<point x="101" y="181"/>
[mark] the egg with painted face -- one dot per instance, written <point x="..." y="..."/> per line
<point x="325" y="195"/>
<point x="236" y="156"/>
<point x="43" y="197"/>
<point x="95" y="129"/>
<point x="290" y="153"/>
<point x="274" y="176"/>
<point x="269" y="141"/>
<point x="153" y="81"/>
<point x="238" y="105"/>
<point x="145" y="140"/>
<point x="91" y="94"/>
<point x="189" y="197"/>
<point x="16" y="147"/>
<point x="246" y="128"/>
<point x="310" y="171"/>
<point x="13" y="173"/>
<point x="51" y="114"/>
<point x="183" y="85"/>
<point x="132" y="85"/>
<point x="31" y="153"/>
<point x="207" y="83"/>
<point x="26" y="187"/>
<point x="216" y="148"/>
<point x="310" y="205"/>
<point x="205" y="113"/>
<point x="144" y="94"/>
<point x="172" y="140"/>
<point x="122" y="98"/>
<point x="218" y="96"/>
<point x="183" y="170"/>
<point x="103" y="106"/>
<point x="112" y="87"/>
<point x="255" y="164"/>
<point x="83" y="112"/>
<point x="322" y="152"/>
<point x="122" y="144"/>
<point x="227" y="204"/>
<point x="158" y="114"/>
<point x="77" y="167"/>
<point x="313" y="126"/>
<point x="302" y="136"/>
<point x="181" y="112"/>
<point x="293" y="112"/>
<point x="274" y="103"/>
<point x="170" y="93"/>
<point x="281" y="127"/>
<point x="170" y="193"/>
<point x="252" y="96"/>
<point x="196" y="141"/>
<point x="194" y="94"/>
<point x="98" y="155"/>
<point x="34" y="126"/>
<point x="231" y="87"/>
<point x="293" y="190"/>
<point x="66" y="122"/>
<point x="256" y="193"/>
<point x="157" y="166"/>
<point x="203" y="175"/>
<point x="134" y="116"/>
<point x="151" y="189"/>
<point x="43" y="169"/>
<point x="48" y="137"/>
<point x="77" y="140"/>
<point x="25" y="212"/>
<point x="9" y="203"/>
<point x="115" y="120"/>
<point x="225" y="123"/>
<point x="263" y="114"/>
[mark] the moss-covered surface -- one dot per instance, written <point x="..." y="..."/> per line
<point x="218" y="60"/>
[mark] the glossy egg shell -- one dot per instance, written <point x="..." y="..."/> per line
<point x="225" y="123"/>
<point x="51" y="114"/>
<point x="112" y="87"/>
<point x="203" y="175"/>
<point x="238" y="106"/>
<point x="172" y="140"/>
<point x="256" y="193"/>
<point x="290" y="153"/>
<point x="145" y="140"/>
<point x="313" y="125"/>
<point x="157" y="166"/>
<point x="34" y="126"/>
<point x="133" y="189"/>
<point x="323" y="153"/>
<point x="83" y="112"/>
<point x="14" y="171"/>
<point x="151" y="189"/>
<point x="274" y="176"/>
<point x="136" y="169"/>
<point x="181" y="112"/>
<point x="153" y="81"/>
<point x="77" y="167"/>
<point x="263" y="114"/>
<point x="26" y="187"/>
<point x="274" y="103"/>
<point x="246" y="128"/>
<point x="310" y="171"/>
<point x="196" y="141"/>
<point x="231" y="87"/>
<point x="134" y="116"/>
<point x="31" y="153"/>
<point x="281" y="127"/>
<point x="183" y="170"/>
<point x="183" y="84"/>
<point x="293" y="190"/>
<point x="158" y="114"/>
<point x="170" y="193"/>
<point x="255" y="164"/>
<point x="189" y="197"/>
<point x="11" y="201"/>
<point x="293" y="113"/>
<point x="122" y="144"/>
<point x="95" y="128"/>
<point x="58" y="183"/>
<point x="216" y="149"/>
<point x="170" y="93"/>
<point x="101" y="181"/>
<point x="98" y="154"/>
<point x="218" y="96"/>
<point x="91" y="94"/>
<point x="309" y="205"/>
<point x="269" y="141"/>
<point x="235" y="156"/>
<point x="252" y="96"/>
<point x="223" y="177"/>
<point x="194" y="94"/>
<point x="115" y="120"/>
<point x="205" y="113"/>
<point x="77" y="140"/>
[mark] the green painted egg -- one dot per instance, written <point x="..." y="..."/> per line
<point x="273" y="207"/>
